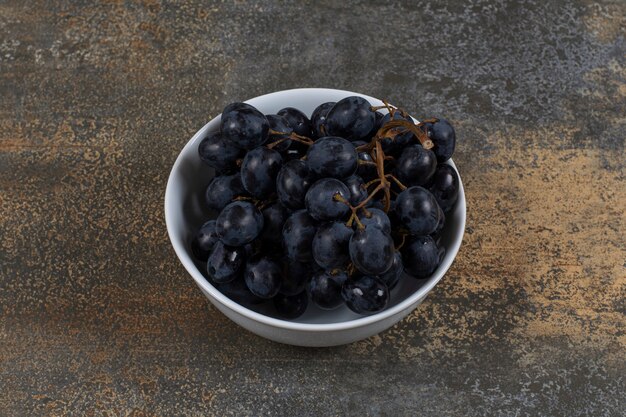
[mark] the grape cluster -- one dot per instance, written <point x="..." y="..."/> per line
<point x="332" y="209"/>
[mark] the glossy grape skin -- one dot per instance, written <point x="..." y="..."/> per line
<point x="350" y="118"/>
<point x="418" y="211"/>
<point x="416" y="166"/>
<point x="297" y="120"/>
<point x="371" y="250"/>
<point x="225" y="263"/>
<point x="240" y="222"/>
<point x="318" y="118"/>
<point x="444" y="138"/>
<point x="393" y="275"/>
<point x="218" y="153"/>
<point x="259" y="170"/>
<point x="292" y="183"/>
<point x="279" y="124"/>
<point x="321" y="202"/>
<point x="330" y="245"/>
<point x="263" y="277"/>
<point x="420" y="256"/>
<point x="402" y="138"/>
<point x="377" y="218"/>
<point x="365" y="295"/>
<point x="332" y="157"/>
<point x="298" y="233"/>
<point x="295" y="276"/>
<point x="291" y="307"/>
<point x="244" y="126"/>
<point x="445" y="187"/>
<point x="274" y="217"/>
<point x="325" y="289"/>
<point x="222" y="190"/>
<point x="238" y="291"/>
<point x="204" y="240"/>
<point x="357" y="189"/>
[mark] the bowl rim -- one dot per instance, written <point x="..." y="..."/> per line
<point x="204" y="284"/>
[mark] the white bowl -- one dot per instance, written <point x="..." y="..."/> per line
<point x="185" y="212"/>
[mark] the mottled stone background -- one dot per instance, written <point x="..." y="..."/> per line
<point x="98" y="317"/>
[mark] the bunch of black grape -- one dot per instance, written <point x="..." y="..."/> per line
<point x="335" y="208"/>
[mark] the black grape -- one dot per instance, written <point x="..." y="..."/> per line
<point x="325" y="289"/>
<point x="416" y="165"/>
<point x="219" y="153"/>
<point x="420" y="256"/>
<point x="259" y="170"/>
<point x="418" y="211"/>
<point x="291" y="307"/>
<point x="332" y="157"/>
<point x="295" y="276"/>
<point x="297" y="120"/>
<point x="321" y="202"/>
<point x="330" y="245"/>
<point x="239" y="223"/>
<point x="244" y="126"/>
<point x="274" y="217"/>
<point x="238" y="291"/>
<point x="371" y="250"/>
<point x="392" y="276"/>
<point x="292" y="183"/>
<point x="204" y="240"/>
<point x="445" y="187"/>
<point x="350" y="118"/>
<point x="279" y="124"/>
<point x="318" y="119"/>
<point x="377" y="218"/>
<point x="225" y="263"/>
<point x="444" y="138"/>
<point x="263" y="277"/>
<point x="222" y="190"/>
<point x="298" y="233"/>
<point x="357" y="189"/>
<point x="365" y="295"/>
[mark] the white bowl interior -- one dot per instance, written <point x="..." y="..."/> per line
<point x="185" y="211"/>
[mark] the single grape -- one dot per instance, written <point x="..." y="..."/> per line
<point x="295" y="276"/>
<point x="291" y="306"/>
<point x="350" y="118"/>
<point x="222" y="190"/>
<point x="292" y="183"/>
<point x="357" y="189"/>
<point x="225" y="263"/>
<point x="279" y="124"/>
<point x="237" y="106"/>
<point x="416" y="165"/>
<point x="259" y="170"/>
<point x="371" y="250"/>
<point x="445" y="187"/>
<point x="298" y="233"/>
<point x="239" y="223"/>
<point x="318" y="118"/>
<point x="330" y="245"/>
<point x="204" y="240"/>
<point x="392" y="276"/>
<point x="420" y="256"/>
<point x="218" y="153"/>
<point x="263" y="277"/>
<point x="238" y="291"/>
<point x="274" y="217"/>
<point x="418" y="211"/>
<point x="321" y="200"/>
<point x="366" y="295"/>
<point x="297" y="120"/>
<point x="244" y="126"/>
<point x="332" y="157"/>
<point x="325" y="289"/>
<point x="377" y="218"/>
<point x="444" y="138"/>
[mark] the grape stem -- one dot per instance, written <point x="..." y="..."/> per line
<point x="402" y="242"/>
<point x="288" y="136"/>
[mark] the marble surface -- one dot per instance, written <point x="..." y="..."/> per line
<point x="98" y="317"/>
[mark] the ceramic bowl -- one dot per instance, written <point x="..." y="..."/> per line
<point x="185" y="212"/>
